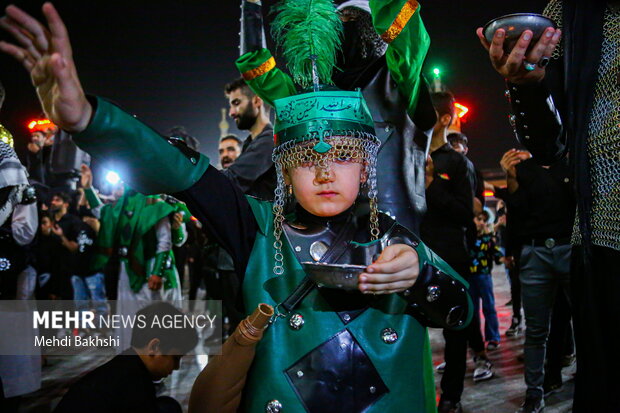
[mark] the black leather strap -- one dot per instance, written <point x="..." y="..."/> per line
<point x="332" y="254"/>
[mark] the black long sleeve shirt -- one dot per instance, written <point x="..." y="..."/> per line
<point x="544" y="204"/>
<point x="122" y="385"/>
<point x="450" y="199"/>
<point x="253" y="171"/>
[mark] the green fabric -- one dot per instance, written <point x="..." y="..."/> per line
<point x="142" y="157"/>
<point x="169" y="272"/>
<point x="308" y="31"/>
<point x="178" y="235"/>
<point x="92" y="198"/>
<point x="158" y="267"/>
<point x="272" y="85"/>
<point x="135" y="232"/>
<point x="404" y="366"/>
<point x="182" y="208"/>
<point x="163" y="265"/>
<point x="405" y="54"/>
<point x="311" y="115"/>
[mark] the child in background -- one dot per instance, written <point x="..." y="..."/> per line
<point x="484" y="253"/>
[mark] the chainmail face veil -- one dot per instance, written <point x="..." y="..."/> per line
<point x="359" y="147"/>
<point x="370" y="44"/>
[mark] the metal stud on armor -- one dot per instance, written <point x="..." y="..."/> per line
<point x="389" y="335"/>
<point x="273" y="406"/>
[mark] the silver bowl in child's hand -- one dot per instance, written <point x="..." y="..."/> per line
<point x="342" y="276"/>
<point x="514" y="25"/>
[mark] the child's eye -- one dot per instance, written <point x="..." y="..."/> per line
<point x="344" y="157"/>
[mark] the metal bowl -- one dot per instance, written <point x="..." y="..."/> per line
<point x="342" y="276"/>
<point x="515" y="24"/>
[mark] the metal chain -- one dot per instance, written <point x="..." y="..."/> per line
<point x="357" y="147"/>
<point x="604" y="141"/>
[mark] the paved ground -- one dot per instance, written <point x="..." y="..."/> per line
<point x="501" y="394"/>
<point x="505" y="391"/>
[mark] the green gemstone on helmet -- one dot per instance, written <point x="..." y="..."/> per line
<point x="322" y="114"/>
<point x="322" y="147"/>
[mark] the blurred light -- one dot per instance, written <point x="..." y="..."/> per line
<point x="40" y="125"/>
<point x="436" y="72"/>
<point x="461" y="110"/>
<point x="489" y="193"/>
<point x="112" y="177"/>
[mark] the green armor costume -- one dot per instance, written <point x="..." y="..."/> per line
<point x="404" y="367"/>
<point x="128" y="231"/>
<point x="374" y="355"/>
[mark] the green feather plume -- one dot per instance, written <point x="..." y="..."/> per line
<point x="307" y="30"/>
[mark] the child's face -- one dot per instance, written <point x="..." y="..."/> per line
<point x="46" y="225"/>
<point x="481" y="222"/>
<point x="327" y="192"/>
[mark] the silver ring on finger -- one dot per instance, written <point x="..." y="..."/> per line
<point x="543" y="62"/>
<point x="529" y="66"/>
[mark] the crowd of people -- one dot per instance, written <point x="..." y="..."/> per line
<point x="387" y="186"/>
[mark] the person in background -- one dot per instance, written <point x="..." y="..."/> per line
<point x="450" y="183"/>
<point x="253" y="170"/>
<point x="485" y="252"/>
<point x="19" y="374"/>
<point x="125" y="384"/>
<point x="64" y="232"/>
<point x="542" y="200"/>
<point x="229" y="150"/>
<point x="88" y="286"/>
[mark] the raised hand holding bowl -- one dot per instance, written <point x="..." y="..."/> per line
<point x="514" y="25"/>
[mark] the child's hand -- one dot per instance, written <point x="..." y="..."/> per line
<point x="396" y="270"/>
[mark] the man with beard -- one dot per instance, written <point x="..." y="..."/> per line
<point x="229" y="150"/>
<point x="253" y="170"/>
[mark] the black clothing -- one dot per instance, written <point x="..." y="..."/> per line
<point x="86" y="248"/>
<point x="549" y="132"/>
<point x="404" y="140"/>
<point x="56" y="259"/>
<point x="450" y="206"/>
<point x="123" y="384"/>
<point x="215" y="196"/>
<point x="544" y="204"/>
<point x="560" y="342"/>
<point x="455" y="352"/>
<point x="253" y="170"/>
<point x="65" y="261"/>
<point x="595" y="314"/>
<point x="38" y="165"/>
<point x="450" y="200"/>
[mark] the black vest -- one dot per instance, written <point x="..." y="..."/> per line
<point x="404" y="146"/>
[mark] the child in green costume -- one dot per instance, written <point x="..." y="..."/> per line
<point x="328" y="349"/>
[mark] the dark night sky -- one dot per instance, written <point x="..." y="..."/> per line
<point x="167" y="62"/>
